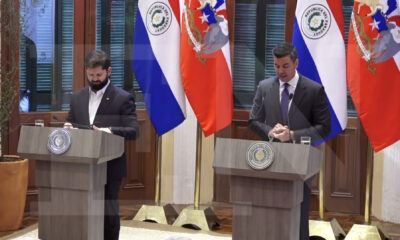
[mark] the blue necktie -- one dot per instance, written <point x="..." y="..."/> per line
<point x="285" y="104"/>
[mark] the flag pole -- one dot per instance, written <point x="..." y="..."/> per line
<point x="326" y="229"/>
<point x="164" y="214"/>
<point x="368" y="193"/>
<point x="196" y="217"/>
<point x="358" y="231"/>
<point x="158" y="171"/>
<point x="321" y="184"/>
<point x="199" y="143"/>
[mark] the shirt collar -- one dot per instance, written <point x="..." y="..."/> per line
<point x="101" y="91"/>
<point x="292" y="82"/>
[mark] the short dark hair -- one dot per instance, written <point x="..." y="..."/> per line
<point x="285" y="49"/>
<point x="97" y="58"/>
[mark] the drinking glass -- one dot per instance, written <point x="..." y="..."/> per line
<point x="305" y="140"/>
<point x="39" y="122"/>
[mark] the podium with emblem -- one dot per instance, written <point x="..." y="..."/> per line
<point x="266" y="185"/>
<point x="71" y="171"/>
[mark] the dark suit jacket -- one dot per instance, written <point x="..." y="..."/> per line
<point x="117" y="110"/>
<point x="308" y="114"/>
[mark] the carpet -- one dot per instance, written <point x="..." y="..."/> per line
<point x="136" y="230"/>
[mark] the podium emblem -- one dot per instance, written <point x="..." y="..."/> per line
<point x="59" y="141"/>
<point x="260" y="155"/>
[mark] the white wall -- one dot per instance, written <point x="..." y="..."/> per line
<point x="386" y="184"/>
<point x="185" y="159"/>
<point x="179" y="163"/>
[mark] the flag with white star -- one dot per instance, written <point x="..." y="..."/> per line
<point x="206" y="63"/>
<point x="373" y="69"/>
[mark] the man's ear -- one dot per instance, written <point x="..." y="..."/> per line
<point x="109" y="70"/>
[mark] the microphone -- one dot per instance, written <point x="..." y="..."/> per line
<point x="290" y="99"/>
<point x="78" y="125"/>
<point x="57" y="118"/>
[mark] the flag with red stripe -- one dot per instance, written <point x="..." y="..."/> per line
<point x="373" y="69"/>
<point x="205" y="63"/>
<point x="156" y="62"/>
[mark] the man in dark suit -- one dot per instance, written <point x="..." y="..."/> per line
<point x="105" y="107"/>
<point x="306" y="112"/>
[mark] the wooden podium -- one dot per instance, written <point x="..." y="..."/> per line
<point x="266" y="203"/>
<point x="71" y="185"/>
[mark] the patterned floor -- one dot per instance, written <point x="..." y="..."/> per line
<point x="224" y="213"/>
<point x="135" y="230"/>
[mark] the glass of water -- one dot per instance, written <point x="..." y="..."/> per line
<point x="305" y="140"/>
<point x="39" y="123"/>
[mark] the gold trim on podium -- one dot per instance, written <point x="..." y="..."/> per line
<point x="164" y="214"/>
<point x="196" y="217"/>
<point x="326" y="229"/>
<point x="366" y="230"/>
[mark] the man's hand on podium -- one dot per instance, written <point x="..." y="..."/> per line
<point x="107" y="130"/>
<point x="281" y="132"/>
<point x="68" y="125"/>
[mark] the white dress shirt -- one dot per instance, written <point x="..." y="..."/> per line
<point x="291" y="88"/>
<point x="94" y="101"/>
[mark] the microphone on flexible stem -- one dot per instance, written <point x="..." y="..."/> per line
<point x="290" y="99"/>
<point x="288" y="122"/>
<point x="57" y="118"/>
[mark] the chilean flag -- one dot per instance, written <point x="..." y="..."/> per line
<point x="156" y="62"/>
<point x="318" y="35"/>
<point x="206" y="63"/>
<point x="373" y="69"/>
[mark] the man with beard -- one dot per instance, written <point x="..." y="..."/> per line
<point x="104" y="107"/>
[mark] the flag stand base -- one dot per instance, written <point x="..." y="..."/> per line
<point x="202" y="218"/>
<point x="365" y="231"/>
<point x="164" y="214"/>
<point x="329" y="230"/>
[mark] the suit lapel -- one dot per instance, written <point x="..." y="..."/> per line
<point x="85" y="106"/>
<point x="105" y="103"/>
<point x="274" y="93"/>
<point x="300" y="92"/>
<point x="298" y="98"/>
